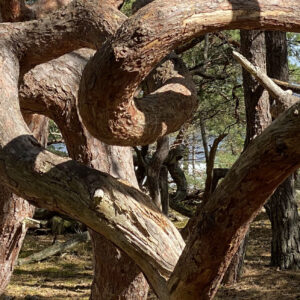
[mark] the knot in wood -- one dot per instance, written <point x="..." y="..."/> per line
<point x="98" y="196"/>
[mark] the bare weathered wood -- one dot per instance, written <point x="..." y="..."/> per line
<point x="287" y="85"/>
<point x="54" y="249"/>
<point x="89" y="195"/>
<point x="284" y="99"/>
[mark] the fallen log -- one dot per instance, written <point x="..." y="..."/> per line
<point x="54" y="249"/>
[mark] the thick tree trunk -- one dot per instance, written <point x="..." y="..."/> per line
<point x="116" y="276"/>
<point x="141" y="121"/>
<point x="283" y="213"/>
<point x="258" y="118"/>
<point x="13" y="211"/>
<point x="107" y="205"/>
<point x="282" y="207"/>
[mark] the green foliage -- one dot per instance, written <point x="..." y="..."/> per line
<point x="55" y="138"/>
<point x="294" y="56"/>
<point x="52" y="149"/>
<point x="126" y="8"/>
<point x="221" y="101"/>
<point x="54" y="133"/>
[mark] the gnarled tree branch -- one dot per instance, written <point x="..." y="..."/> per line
<point x="142" y="41"/>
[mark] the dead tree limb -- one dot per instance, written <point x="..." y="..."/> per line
<point x="54" y="249"/>
<point x="284" y="99"/>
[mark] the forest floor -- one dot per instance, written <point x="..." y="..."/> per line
<point x="69" y="275"/>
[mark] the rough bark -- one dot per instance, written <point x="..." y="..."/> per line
<point x="152" y="32"/>
<point x="167" y="70"/>
<point x="116" y="276"/>
<point x="282" y="99"/>
<point x="283" y="213"/>
<point x="62" y="31"/>
<point x="125" y="113"/>
<point x="103" y="286"/>
<point x="258" y="117"/>
<point x="224" y="220"/>
<point x="279" y="164"/>
<point x="282" y="207"/>
<point x="88" y="195"/>
<point x="13" y="211"/>
<point x="256" y="97"/>
<point x="118" y="211"/>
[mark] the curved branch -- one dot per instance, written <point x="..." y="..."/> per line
<point x="224" y="219"/>
<point x="107" y="106"/>
<point x="62" y="31"/>
<point x="52" y="88"/>
<point x="113" y="208"/>
<point x="137" y="121"/>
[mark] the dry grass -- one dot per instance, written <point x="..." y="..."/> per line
<point x="69" y="276"/>
<point x="260" y="281"/>
<point x="60" y="277"/>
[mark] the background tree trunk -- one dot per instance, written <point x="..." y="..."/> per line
<point x="282" y="207"/>
<point x="258" y="118"/>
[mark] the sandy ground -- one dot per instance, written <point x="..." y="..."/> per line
<point x="69" y="275"/>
